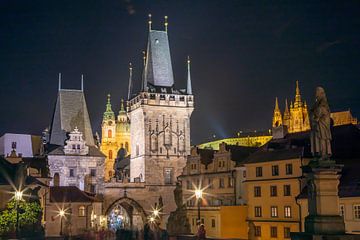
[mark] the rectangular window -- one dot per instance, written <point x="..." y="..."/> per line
<point x="221" y="183"/>
<point x="287" y="211"/>
<point x="273" y="232"/>
<point x="92" y="188"/>
<point x="258" y="171"/>
<point x="82" y="211"/>
<point x="71" y="172"/>
<point x="257" y="191"/>
<point x="188" y="184"/>
<point x="286" y="232"/>
<point x="275" y="170"/>
<point x="213" y="223"/>
<point x="274" y="211"/>
<point x="342" y="210"/>
<point x="258" y="212"/>
<point x="168" y="176"/>
<point x="289" y="169"/>
<point x="357" y="212"/>
<point x="273" y="191"/>
<point x="257" y="231"/>
<point x="287" y="190"/>
<point x="93" y="172"/>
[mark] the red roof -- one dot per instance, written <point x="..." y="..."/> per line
<point x="70" y="194"/>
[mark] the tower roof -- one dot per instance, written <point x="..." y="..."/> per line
<point x="70" y="112"/>
<point x="158" y="67"/>
<point x="108" y="114"/>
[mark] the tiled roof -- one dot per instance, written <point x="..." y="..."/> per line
<point x="70" y="194"/>
<point x="265" y="155"/>
<point x="70" y="112"/>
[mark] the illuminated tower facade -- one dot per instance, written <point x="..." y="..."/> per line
<point x="115" y="135"/>
<point x="277" y="118"/>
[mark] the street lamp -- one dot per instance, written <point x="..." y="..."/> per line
<point x="61" y="214"/>
<point x="198" y="195"/>
<point x="18" y="197"/>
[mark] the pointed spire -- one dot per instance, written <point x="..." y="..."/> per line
<point x="286" y="106"/>
<point x="144" y="85"/>
<point x="188" y="89"/>
<point x="59" y="81"/>
<point x="166" y="23"/>
<point x="108" y="103"/>
<point x="122" y="109"/>
<point x="297" y="88"/>
<point x="297" y="102"/>
<point x="82" y="82"/>
<point x="108" y="114"/>
<point x="130" y="81"/>
<point x="150" y="22"/>
<point x="276" y="104"/>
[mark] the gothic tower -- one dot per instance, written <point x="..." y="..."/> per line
<point x="277" y="118"/>
<point x="123" y="129"/>
<point x="286" y="119"/>
<point x="299" y="117"/>
<point x="108" y="139"/>
<point x="160" y="119"/>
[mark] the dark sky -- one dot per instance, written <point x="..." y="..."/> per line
<point x="243" y="55"/>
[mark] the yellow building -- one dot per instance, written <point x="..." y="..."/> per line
<point x="254" y="139"/>
<point x="343" y="118"/>
<point x="214" y="171"/>
<point x="115" y="135"/>
<point x="273" y="180"/>
<point x="297" y="118"/>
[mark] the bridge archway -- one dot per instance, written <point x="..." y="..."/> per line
<point x="126" y="213"/>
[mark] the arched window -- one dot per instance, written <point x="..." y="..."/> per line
<point x="82" y="211"/>
<point x="127" y="146"/>
<point x="110" y="154"/>
<point x="109" y="133"/>
<point x="56" y="179"/>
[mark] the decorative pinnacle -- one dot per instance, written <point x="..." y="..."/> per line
<point x="276" y="104"/>
<point x="144" y="57"/>
<point x="122" y="106"/>
<point x="188" y="60"/>
<point x="297" y="88"/>
<point x="108" y="98"/>
<point x="166" y="23"/>
<point x="150" y="22"/>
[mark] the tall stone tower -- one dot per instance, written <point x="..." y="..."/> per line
<point x="115" y="135"/>
<point x="160" y="118"/>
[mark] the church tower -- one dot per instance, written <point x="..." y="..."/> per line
<point x="299" y="117"/>
<point x="160" y="119"/>
<point x="123" y="129"/>
<point x="108" y="139"/>
<point x="286" y="119"/>
<point x="277" y="118"/>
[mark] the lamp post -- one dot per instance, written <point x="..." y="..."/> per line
<point x="198" y="195"/>
<point x="18" y="197"/>
<point x="61" y="214"/>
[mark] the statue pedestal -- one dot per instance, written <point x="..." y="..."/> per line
<point x="323" y="221"/>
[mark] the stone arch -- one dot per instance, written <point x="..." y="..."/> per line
<point x="125" y="202"/>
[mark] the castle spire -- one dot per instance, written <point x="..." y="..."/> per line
<point x="108" y="103"/>
<point x="277" y="118"/>
<point x="130" y="81"/>
<point x="188" y="89"/>
<point x="286" y="107"/>
<point x="122" y="109"/>
<point x="166" y="23"/>
<point x="82" y="82"/>
<point x="297" y="102"/>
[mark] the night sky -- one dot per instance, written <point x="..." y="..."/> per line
<point x="244" y="54"/>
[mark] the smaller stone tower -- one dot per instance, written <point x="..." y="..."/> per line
<point x="277" y="118"/>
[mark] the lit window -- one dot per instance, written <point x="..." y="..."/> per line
<point x="109" y="133"/>
<point x="274" y="211"/>
<point x="273" y="232"/>
<point x="110" y="154"/>
<point x="275" y="170"/>
<point x="257" y="191"/>
<point x="258" y="212"/>
<point x="287" y="211"/>
<point x="286" y="232"/>
<point x="81" y="211"/>
<point x="257" y="231"/>
<point x="289" y="169"/>
<point x="231" y="182"/>
<point x="357" y="211"/>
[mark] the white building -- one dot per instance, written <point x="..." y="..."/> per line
<point x="26" y="145"/>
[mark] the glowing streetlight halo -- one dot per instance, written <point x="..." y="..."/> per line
<point x="61" y="213"/>
<point x="198" y="193"/>
<point x="18" y="195"/>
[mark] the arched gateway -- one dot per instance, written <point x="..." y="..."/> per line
<point x="126" y="213"/>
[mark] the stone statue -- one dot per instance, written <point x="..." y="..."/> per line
<point x="178" y="195"/>
<point x="320" y="126"/>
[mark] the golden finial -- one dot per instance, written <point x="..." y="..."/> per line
<point x="166" y="23"/>
<point x="150" y="22"/>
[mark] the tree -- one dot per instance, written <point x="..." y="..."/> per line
<point x="29" y="218"/>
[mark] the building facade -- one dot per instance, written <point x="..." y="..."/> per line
<point x="115" y="134"/>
